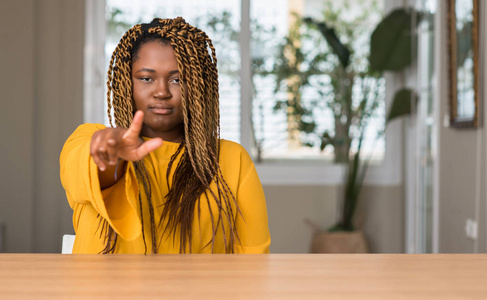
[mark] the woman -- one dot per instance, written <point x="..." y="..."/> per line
<point x="162" y="180"/>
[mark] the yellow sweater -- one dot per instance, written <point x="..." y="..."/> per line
<point x="119" y="203"/>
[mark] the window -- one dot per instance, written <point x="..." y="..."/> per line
<point x="279" y="118"/>
<point x="255" y="29"/>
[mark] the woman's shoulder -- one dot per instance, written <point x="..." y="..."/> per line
<point x="87" y="129"/>
<point x="232" y="151"/>
<point x="90" y="127"/>
<point x="84" y="132"/>
<point x="231" y="147"/>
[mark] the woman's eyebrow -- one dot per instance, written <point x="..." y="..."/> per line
<point x="153" y="71"/>
<point x="145" y="70"/>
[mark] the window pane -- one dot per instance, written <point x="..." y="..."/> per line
<point x="220" y="19"/>
<point x="297" y="77"/>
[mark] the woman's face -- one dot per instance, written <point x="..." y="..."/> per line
<point x="156" y="91"/>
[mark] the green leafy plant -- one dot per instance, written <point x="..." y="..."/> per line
<point x="390" y="50"/>
<point x="345" y="69"/>
<point x="326" y="58"/>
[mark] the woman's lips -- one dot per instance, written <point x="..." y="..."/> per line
<point x="161" y="110"/>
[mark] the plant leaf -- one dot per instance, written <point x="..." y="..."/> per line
<point x="390" y="43"/>
<point x="326" y="140"/>
<point x="333" y="41"/>
<point x="401" y="104"/>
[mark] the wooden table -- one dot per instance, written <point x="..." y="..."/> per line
<point x="274" y="276"/>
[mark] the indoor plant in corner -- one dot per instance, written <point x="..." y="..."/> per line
<point x="390" y="46"/>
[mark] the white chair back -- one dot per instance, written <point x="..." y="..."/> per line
<point x="68" y="242"/>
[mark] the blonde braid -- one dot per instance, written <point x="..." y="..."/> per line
<point x="210" y="111"/>
<point x="119" y="83"/>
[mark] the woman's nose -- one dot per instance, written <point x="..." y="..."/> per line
<point x="161" y="90"/>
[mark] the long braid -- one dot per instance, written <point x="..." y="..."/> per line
<point x="199" y="151"/>
<point x="144" y="177"/>
<point x="201" y="139"/>
<point x="119" y="83"/>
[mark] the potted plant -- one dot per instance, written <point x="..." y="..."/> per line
<point x="390" y="46"/>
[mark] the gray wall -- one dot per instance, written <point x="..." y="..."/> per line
<point x="41" y="65"/>
<point x="381" y="213"/>
<point x="461" y="160"/>
<point x="18" y="89"/>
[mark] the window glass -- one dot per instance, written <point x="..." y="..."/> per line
<point x="295" y="101"/>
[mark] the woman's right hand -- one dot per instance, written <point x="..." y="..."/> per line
<point x="110" y="145"/>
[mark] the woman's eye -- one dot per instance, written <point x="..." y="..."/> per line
<point x="145" y="79"/>
<point x="176" y="80"/>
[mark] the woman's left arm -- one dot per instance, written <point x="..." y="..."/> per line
<point x="252" y="224"/>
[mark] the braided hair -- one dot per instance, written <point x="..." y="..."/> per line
<point x="199" y="150"/>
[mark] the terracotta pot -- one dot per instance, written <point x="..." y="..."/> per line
<point x="339" y="242"/>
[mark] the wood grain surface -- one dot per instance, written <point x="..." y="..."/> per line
<point x="273" y="276"/>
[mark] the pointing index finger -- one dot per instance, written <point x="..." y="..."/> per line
<point x="136" y="126"/>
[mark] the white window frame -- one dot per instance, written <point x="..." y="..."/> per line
<point x="94" y="62"/>
<point x="283" y="172"/>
